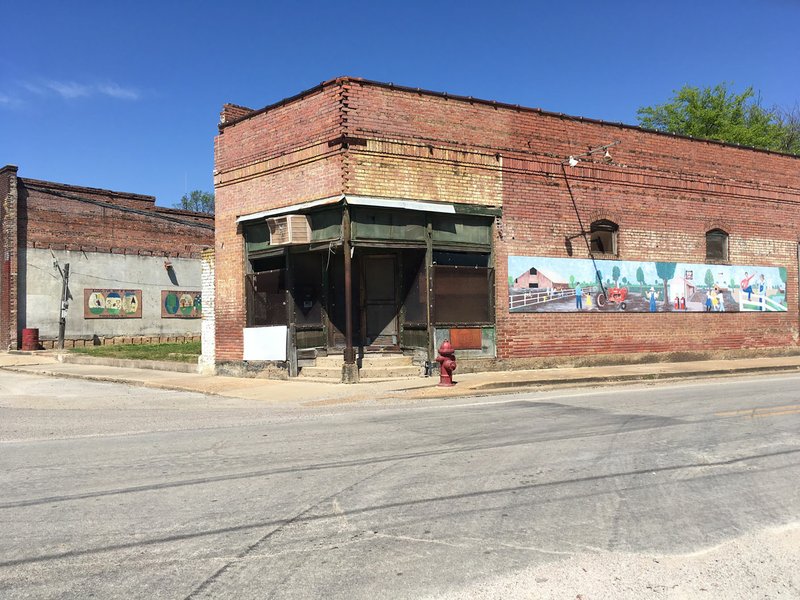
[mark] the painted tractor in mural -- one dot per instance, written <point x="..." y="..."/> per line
<point x="615" y="295"/>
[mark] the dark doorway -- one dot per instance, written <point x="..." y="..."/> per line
<point x="336" y="307"/>
<point x="379" y="300"/>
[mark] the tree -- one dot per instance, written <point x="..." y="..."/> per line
<point x="666" y="270"/>
<point x="719" y="113"/>
<point x="198" y="201"/>
<point x="640" y="276"/>
<point x="789" y="120"/>
<point x="615" y="275"/>
<point x="572" y="281"/>
<point x="709" y="280"/>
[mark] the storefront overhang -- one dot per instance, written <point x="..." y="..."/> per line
<point x="376" y="202"/>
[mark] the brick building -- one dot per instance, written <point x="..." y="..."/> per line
<point x="133" y="265"/>
<point x="360" y="217"/>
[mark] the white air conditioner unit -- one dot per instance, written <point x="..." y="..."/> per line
<point x="289" y="229"/>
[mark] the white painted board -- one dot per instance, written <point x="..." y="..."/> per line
<point x="265" y="343"/>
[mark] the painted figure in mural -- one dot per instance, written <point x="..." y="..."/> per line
<point x="578" y="296"/>
<point x="714" y="299"/>
<point x="745" y="285"/>
<point x="720" y="298"/>
<point x="708" y="300"/>
<point x="652" y="295"/>
<point x="588" y="301"/>
<point x="762" y="291"/>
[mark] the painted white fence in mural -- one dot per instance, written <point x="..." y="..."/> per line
<point x="758" y="302"/>
<point x="541" y="296"/>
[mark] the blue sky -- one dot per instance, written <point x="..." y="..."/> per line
<point x="127" y="95"/>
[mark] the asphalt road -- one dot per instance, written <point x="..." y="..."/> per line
<point x="109" y="491"/>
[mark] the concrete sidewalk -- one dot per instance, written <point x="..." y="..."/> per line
<point x="310" y="393"/>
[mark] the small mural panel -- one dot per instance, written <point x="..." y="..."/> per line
<point x="541" y="284"/>
<point x="181" y="304"/>
<point x="112" y="304"/>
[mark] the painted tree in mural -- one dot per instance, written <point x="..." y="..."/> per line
<point x="666" y="271"/>
<point x="709" y="278"/>
<point x="624" y="281"/>
<point x="572" y="281"/>
<point x="782" y="274"/>
<point x="615" y="275"/>
<point x="640" y="276"/>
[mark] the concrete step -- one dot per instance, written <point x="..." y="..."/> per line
<point x="377" y="361"/>
<point x="322" y="373"/>
<point x="383" y="372"/>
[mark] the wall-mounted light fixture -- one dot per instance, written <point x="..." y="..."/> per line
<point x="573" y="160"/>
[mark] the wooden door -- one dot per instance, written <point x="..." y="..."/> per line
<point x="379" y="300"/>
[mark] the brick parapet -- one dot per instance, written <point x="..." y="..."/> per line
<point x="59" y="220"/>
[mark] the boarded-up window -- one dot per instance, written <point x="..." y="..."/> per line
<point x="266" y="298"/>
<point x="460" y="259"/>
<point x="256" y="236"/>
<point x="461" y="229"/>
<point x="377" y="224"/>
<point x="462" y="295"/>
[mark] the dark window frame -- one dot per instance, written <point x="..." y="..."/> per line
<point x="603" y="233"/>
<point x="717" y="237"/>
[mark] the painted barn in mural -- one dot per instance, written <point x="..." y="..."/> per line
<point x="359" y="219"/>
<point x="535" y="278"/>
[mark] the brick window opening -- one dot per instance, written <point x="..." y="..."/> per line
<point x="717" y="245"/>
<point x="603" y="237"/>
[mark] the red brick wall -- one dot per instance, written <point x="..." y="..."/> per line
<point x="663" y="191"/>
<point x="53" y="216"/>
<point x="270" y="160"/>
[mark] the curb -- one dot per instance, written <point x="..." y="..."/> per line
<point x="515" y="387"/>
<point x="104" y="379"/>
<point x="484" y="389"/>
<point x="129" y="363"/>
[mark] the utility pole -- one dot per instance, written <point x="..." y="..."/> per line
<point x="62" y="315"/>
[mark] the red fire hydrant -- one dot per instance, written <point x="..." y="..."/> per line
<point x="447" y="364"/>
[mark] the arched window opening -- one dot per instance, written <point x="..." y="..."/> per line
<point x="603" y="237"/>
<point x="717" y="245"/>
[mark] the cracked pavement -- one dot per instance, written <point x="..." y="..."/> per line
<point x="119" y="492"/>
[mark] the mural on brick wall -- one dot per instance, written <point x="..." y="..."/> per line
<point x="181" y="304"/>
<point x="112" y="304"/>
<point x="540" y="284"/>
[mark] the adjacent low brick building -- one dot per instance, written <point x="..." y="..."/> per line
<point x="133" y="265"/>
<point x="417" y="205"/>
